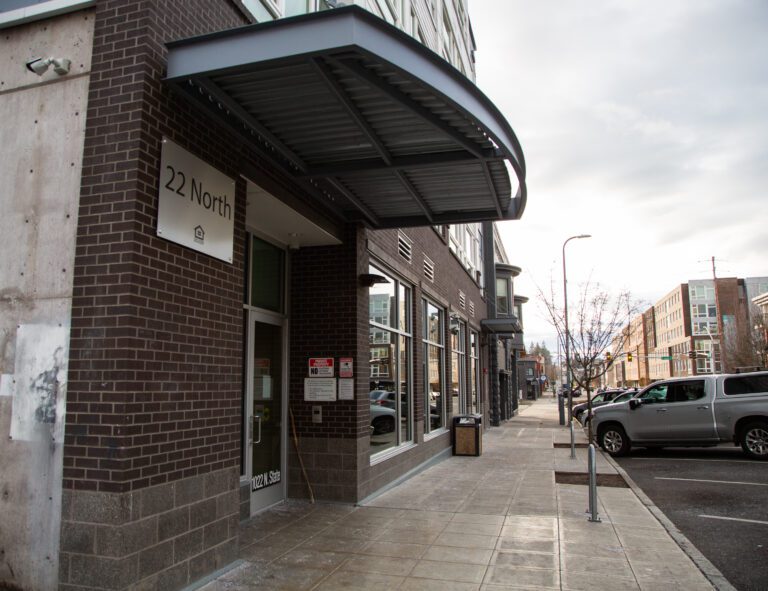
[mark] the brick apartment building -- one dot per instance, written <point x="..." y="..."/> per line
<point x="222" y="235"/>
<point x="700" y="327"/>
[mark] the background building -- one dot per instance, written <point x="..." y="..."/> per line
<point x="700" y="327"/>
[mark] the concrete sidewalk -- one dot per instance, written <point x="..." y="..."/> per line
<point x="494" y="522"/>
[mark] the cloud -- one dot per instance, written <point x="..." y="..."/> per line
<point x="643" y="124"/>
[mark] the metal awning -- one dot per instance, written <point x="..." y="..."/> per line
<point x="505" y="326"/>
<point x="362" y="117"/>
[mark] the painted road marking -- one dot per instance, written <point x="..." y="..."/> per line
<point x="697" y="460"/>
<point x="715" y="481"/>
<point x="734" y="519"/>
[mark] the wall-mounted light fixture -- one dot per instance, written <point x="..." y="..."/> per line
<point x="455" y="319"/>
<point x="40" y="65"/>
<point x="371" y="279"/>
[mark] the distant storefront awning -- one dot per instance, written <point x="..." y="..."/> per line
<point x="506" y="326"/>
<point x="364" y="119"/>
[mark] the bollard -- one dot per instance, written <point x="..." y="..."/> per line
<point x="561" y="409"/>
<point x="573" y="442"/>
<point x="592" y="467"/>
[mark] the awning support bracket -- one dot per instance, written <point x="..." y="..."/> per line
<point x="491" y="187"/>
<point x="341" y="95"/>
<point x="364" y="209"/>
<point x="411" y="105"/>
<point x="250" y="120"/>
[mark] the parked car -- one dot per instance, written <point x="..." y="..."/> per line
<point x="564" y="391"/>
<point x="624" y="396"/>
<point x="599" y="399"/>
<point x="383" y="398"/>
<point x="694" y="411"/>
<point x="387" y="398"/>
<point x="383" y="419"/>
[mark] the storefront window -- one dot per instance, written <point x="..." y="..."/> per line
<point x="458" y="367"/>
<point x="434" y="359"/>
<point x="390" y="342"/>
<point x="474" y="372"/>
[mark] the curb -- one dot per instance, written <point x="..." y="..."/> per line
<point x="708" y="569"/>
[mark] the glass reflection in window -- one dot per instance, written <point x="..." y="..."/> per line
<point x="434" y="356"/>
<point x="390" y="345"/>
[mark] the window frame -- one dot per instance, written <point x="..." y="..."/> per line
<point x="441" y="348"/>
<point x="459" y="362"/>
<point x="396" y="334"/>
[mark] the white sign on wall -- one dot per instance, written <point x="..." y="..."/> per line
<point x="346" y="389"/>
<point x="320" y="389"/>
<point x="196" y="205"/>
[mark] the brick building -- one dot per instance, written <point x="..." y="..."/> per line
<point x="700" y="327"/>
<point x="228" y="230"/>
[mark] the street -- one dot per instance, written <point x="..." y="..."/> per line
<point x="717" y="498"/>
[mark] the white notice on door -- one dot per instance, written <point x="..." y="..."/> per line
<point x="262" y="387"/>
<point x="320" y="389"/>
<point x="346" y="389"/>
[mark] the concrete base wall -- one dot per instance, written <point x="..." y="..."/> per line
<point x="159" y="538"/>
<point x="41" y="142"/>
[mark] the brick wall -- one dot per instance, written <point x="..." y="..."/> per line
<point x="155" y="371"/>
<point x="329" y="318"/>
<point x="155" y="382"/>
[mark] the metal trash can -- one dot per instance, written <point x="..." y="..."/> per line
<point x="467" y="435"/>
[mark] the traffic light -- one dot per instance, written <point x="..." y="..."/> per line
<point x="692" y="354"/>
<point x="608" y="358"/>
<point x="629" y="357"/>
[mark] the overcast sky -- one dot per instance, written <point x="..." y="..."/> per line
<point x="644" y="124"/>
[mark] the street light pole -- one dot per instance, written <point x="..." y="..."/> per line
<point x="567" y="333"/>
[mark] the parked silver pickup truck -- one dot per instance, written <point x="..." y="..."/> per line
<point x="694" y="411"/>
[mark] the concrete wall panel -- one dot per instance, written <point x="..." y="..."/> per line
<point x="69" y="36"/>
<point x="42" y="184"/>
<point x="41" y="141"/>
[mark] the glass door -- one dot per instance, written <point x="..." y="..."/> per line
<point x="266" y="409"/>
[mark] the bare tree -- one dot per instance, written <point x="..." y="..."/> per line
<point x="748" y="347"/>
<point x="599" y="325"/>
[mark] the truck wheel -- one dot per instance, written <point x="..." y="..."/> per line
<point x="754" y="440"/>
<point x="614" y="440"/>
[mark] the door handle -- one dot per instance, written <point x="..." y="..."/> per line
<point x="661" y="410"/>
<point x="256" y="418"/>
<point x="705" y="407"/>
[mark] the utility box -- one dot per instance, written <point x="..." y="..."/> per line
<point x="467" y="435"/>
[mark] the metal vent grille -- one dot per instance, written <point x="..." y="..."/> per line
<point x="429" y="269"/>
<point x="462" y="300"/>
<point x="471" y="308"/>
<point x="404" y="247"/>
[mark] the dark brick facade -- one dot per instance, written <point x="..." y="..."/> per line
<point x="155" y="368"/>
<point x="155" y="382"/>
<point x="154" y="403"/>
<point x="329" y="318"/>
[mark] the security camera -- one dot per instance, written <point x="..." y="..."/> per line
<point x="39" y="65"/>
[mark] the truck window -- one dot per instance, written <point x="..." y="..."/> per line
<point x="745" y="384"/>
<point x="686" y="391"/>
<point x="657" y="393"/>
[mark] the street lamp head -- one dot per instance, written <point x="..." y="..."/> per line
<point x="576" y="237"/>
